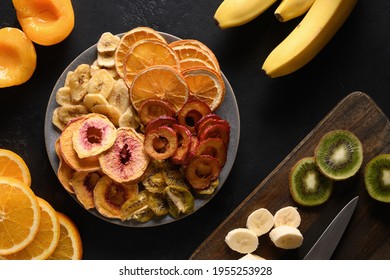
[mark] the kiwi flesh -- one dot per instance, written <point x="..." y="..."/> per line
<point x="308" y="186"/>
<point x="377" y="177"/>
<point x="339" y="154"/>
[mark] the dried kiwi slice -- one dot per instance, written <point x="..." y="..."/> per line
<point x="377" y="177"/>
<point x="339" y="154"/>
<point x="180" y="200"/>
<point x="308" y="186"/>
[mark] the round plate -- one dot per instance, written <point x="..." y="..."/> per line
<point x="227" y="110"/>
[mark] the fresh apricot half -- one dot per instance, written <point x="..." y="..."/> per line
<point x="18" y="58"/>
<point x="45" y="22"/>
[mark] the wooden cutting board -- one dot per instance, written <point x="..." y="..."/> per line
<point x="368" y="233"/>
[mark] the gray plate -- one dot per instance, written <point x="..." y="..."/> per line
<point x="227" y="110"/>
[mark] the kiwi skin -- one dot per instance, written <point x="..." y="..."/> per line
<point x="332" y="140"/>
<point x="321" y="190"/>
<point x="377" y="185"/>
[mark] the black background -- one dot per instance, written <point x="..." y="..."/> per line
<point x="276" y="114"/>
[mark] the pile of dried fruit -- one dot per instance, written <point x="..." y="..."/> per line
<point x="30" y="229"/>
<point x="140" y="137"/>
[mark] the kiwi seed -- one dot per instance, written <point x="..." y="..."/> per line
<point x="339" y="154"/>
<point x="308" y="186"/>
<point x="377" y="177"/>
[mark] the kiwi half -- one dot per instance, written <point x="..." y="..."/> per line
<point x="377" y="177"/>
<point x="308" y="186"/>
<point x="339" y="154"/>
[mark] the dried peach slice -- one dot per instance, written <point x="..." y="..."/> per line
<point x="109" y="196"/>
<point x="126" y="161"/>
<point x="94" y="135"/>
<point x="83" y="184"/>
<point x="64" y="172"/>
<point x="46" y="22"/>
<point x="18" y="58"/>
<point x="69" y="154"/>
<point x="128" y="39"/>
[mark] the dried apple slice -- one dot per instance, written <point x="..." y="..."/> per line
<point x="161" y="143"/>
<point x="202" y="170"/>
<point x="213" y="147"/>
<point x="151" y="109"/>
<point x="160" y="121"/>
<point x="126" y="161"/>
<point x="94" y="135"/>
<point x="191" y="112"/>
<point x="180" y="156"/>
<point x="219" y="130"/>
<point x="109" y="196"/>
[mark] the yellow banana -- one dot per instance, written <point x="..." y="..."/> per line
<point x="238" y="12"/>
<point x="290" y="9"/>
<point x="316" y="29"/>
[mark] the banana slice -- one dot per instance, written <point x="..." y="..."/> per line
<point x="78" y="82"/>
<point x="56" y="120"/>
<point x="260" y="221"/>
<point x="106" y="59"/>
<point x="93" y="99"/>
<point x="129" y="119"/>
<point x="251" y="256"/>
<point x="119" y="96"/>
<point x="286" y="237"/>
<point x="107" y="42"/>
<point x="287" y="216"/>
<point x="101" y="83"/>
<point x="109" y="111"/>
<point x="67" y="78"/>
<point x="242" y="240"/>
<point x="68" y="112"/>
<point x="63" y="96"/>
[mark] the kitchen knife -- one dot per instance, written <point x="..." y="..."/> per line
<point x="327" y="243"/>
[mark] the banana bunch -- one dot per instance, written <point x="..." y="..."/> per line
<point x="322" y="20"/>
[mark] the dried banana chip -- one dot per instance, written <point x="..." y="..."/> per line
<point x="93" y="99"/>
<point x="106" y="59"/>
<point x="78" y="82"/>
<point x="107" y="42"/>
<point x="68" y="112"/>
<point x="119" y="96"/>
<point x="56" y="120"/>
<point x="101" y="83"/>
<point x="109" y="111"/>
<point x="67" y="79"/>
<point x="63" y="96"/>
<point x="129" y="119"/>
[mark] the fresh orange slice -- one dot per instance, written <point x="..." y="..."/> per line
<point x="69" y="246"/>
<point x="191" y="51"/>
<point x="198" y="44"/>
<point x="128" y="39"/>
<point x="205" y="85"/>
<point x="188" y="63"/>
<point x="47" y="238"/>
<point x="147" y="53"/>
<point x="12" y="165"/>
<point x="20" y="215"/>
<point x="159" y="82"/>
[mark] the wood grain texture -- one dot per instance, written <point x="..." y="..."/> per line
<point x="367" y="235"/>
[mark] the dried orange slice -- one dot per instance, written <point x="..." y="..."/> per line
<point x="191" y="51"/>
<point x="205" y="85"/>
<point x="159" y="82"/>
<point x="20" y="215"/>
<point x="46" y="240"/>
<point x="188" y="63"/>
<point x="128" y="39"/>
<point x="69" y="246"/>
<point x="147" y="53"/>
<point x="198" y="44"/>
<point x="12" y="165"/>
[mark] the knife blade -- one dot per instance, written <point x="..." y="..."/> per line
<point x="329" y="239"/>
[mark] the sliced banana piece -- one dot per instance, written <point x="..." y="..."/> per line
<point x="68" y="112"/>
<point x="101" y="83"/>
<point x="106" y="59"/>
<point x="286" y="237"/>
<point x="129" y="119"/>
<point x="251" y="256"/>
<point x="64" y="97"/>
<point x="56" y="120"/>
<point x="287" y="216"/>
<point x="120" y="97"/>
<point x="242" y="240"/>
<point x="67" y="78"/>
<point x="260" y="221"/>
<point x="107" y="42"/>
<point x="93" y="99"/>
<point x="78" y="82"/>
<point x="109" y="111"/>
